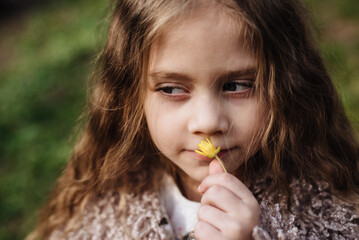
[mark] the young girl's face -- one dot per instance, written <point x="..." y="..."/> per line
<point x="200" y="85"/>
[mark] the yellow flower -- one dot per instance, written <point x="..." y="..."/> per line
<point x="207" y="149"/>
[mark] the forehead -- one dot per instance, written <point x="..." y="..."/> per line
<point x="202" y="39"/>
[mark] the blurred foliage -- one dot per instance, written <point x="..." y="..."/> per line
<point x="46" y="57"/>
<point x="337" y="27"/>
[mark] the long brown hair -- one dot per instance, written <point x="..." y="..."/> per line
<point x="307" y="133"/>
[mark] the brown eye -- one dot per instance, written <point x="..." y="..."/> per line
<point x="237" y="86"/>
<point x="171" y="90"/>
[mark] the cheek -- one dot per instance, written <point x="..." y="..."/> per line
<point x="249" y="123"/>
<point x="164" y="127"/>
<point x="256" y="128"/>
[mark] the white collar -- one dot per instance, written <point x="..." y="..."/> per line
<point x="181" y="211"/>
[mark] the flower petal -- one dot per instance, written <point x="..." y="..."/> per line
<point x="207" y="149"/>
<point x="199" y="152"/>
<point x="217" y="150"/>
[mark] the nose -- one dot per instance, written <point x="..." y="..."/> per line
<point x="208" y="117"/>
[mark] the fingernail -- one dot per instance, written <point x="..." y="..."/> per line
<point x="200" y="188"/>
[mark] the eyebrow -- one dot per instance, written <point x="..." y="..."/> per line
<point x="241" y="73"/>
<point x="171" y="76"/>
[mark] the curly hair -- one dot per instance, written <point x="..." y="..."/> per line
<point x="306" y="132"/>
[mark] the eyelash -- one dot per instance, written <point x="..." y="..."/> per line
<point x="166" y="89"/>
<point x="247" y="85"/>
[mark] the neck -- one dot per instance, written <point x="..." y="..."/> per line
<point x="188" y="187"/>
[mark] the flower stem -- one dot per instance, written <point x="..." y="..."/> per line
<point x="220" y="162"/>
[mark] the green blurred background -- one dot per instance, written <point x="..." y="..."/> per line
<point x="47" y="51"/>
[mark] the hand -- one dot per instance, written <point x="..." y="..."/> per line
<point x="228" y="209"/>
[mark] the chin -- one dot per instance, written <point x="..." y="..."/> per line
<point x="199" y="175"/>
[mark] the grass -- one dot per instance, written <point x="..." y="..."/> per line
<point x="45" y="61"/>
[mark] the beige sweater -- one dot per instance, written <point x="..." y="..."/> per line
<point x="315" y="214"/>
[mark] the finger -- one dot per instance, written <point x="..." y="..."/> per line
<point x="228" y="203"/>
<point x="221" y="198"/>
<point x="214" y="167"/>
<point x="220" y="220"/>
<point x="205" y="231"/>
<point x="228" y="181"/>
<point x="213" y="216"/>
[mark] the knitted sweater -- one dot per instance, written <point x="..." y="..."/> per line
<point x="315" y="213"/>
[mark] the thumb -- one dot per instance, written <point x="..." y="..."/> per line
<point x="214" y="167"/>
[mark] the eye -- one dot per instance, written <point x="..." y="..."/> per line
<point x="238" y="86"/>
<point x="171" y="90"/>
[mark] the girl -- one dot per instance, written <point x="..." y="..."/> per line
<point x="247" y="76"/>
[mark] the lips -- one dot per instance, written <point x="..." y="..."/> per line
<point x="221" y="154"/>
<point x="199" y="156"/>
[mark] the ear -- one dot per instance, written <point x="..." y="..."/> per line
<point x="214" y="167"/>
